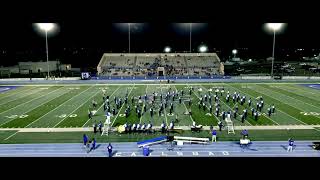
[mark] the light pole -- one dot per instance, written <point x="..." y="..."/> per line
<point x="129" y="35"/>
<point x="46" y="27"/>
<point x="190" y="37"/>
<point x="274" y="27"/>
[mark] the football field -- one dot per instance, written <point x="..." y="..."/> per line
<point x="67" y="105"/>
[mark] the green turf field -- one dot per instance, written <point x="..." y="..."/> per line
<point x="67" y="106"/>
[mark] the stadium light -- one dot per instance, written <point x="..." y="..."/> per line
<point x="234" y="52"/>
<point x="46" y="28"/>
<point x="274" y="27"/>
<point x="167" y="49"/>
<point x="203" y="49"/>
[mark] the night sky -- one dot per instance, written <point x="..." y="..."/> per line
<point x="98" y="33"/>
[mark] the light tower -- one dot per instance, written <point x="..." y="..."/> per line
<point x="274" y="27"/>
<point x="46" y="28"/>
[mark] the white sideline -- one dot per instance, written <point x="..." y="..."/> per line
<point x="81" y="129"/>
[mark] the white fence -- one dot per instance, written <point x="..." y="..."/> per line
<point x="283" y="77"/>
<point x="40" y="79"/>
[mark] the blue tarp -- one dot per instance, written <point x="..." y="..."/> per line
<point x="161" y="138"/>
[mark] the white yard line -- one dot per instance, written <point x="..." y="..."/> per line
<point x="22" y="91"/>
<point x="263" y="127"/>
<point x="102" y="105"/>
<point x="290" y="97"/>
<point x="11" y="135"/>
<point x="76" y="108"/>
<point x="121" y="107"/>
<point x="206" y="105"/>
<point x="57" y="106"/>
<point x="286" y="104"/>
<point x="146" y="91"/>
<point x="270" y="119"/>
<point x="30" y="101"/>
<point x="277" y="110"/>
<point x="164" y="109"/>
<point x="32" y="108"/>
<point x="316" y="129"/>
<point x="289" y="89"/>
<point x="184" y="106"/>
<point x="229" y="107"/>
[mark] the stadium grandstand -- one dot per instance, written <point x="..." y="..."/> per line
<point x="158" y="64"/>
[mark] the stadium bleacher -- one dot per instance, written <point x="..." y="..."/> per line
<point x="174" y="64"/>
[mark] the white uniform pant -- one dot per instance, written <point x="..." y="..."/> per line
<point x="214" y="138"/>
<point x="289" y="148"/>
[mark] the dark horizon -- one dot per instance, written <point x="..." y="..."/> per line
<point x="92" y="28"/>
